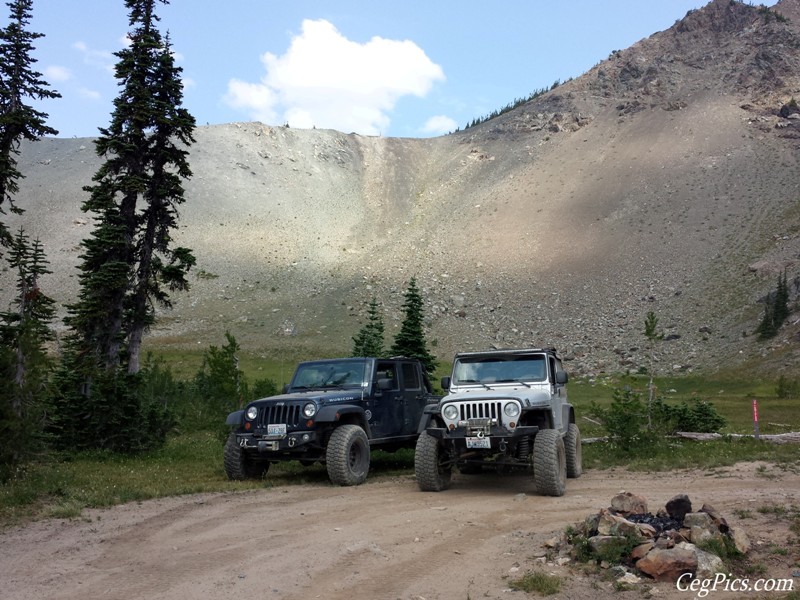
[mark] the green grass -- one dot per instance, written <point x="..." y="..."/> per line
<point x="731" y="397"/>
<point x="536" y="581"/>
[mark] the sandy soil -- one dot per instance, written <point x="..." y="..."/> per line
<point x="384" y="539"/>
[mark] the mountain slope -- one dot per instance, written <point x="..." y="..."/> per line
<point x="664" y="179"/>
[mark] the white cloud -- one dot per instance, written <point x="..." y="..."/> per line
<point x="102" y="59"/>
<point x="56" y="73"/>
<point x="325" y="80"/>
<point x="439" y="124"/>
<point x="89" y="94"/>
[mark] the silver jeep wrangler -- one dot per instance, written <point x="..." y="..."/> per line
<point x="505" y="409"/>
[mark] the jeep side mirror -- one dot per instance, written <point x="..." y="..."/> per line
<point x="285" y="388"/>
<point x="445" y="383"/>
<point x="561" y="377"/>
<point x="384" y="383"/>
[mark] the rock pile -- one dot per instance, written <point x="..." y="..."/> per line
<point x="663" y="546"/>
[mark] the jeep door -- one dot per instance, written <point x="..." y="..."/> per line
<point x="558" y="394"/>
<point x="386" y="405"/>
<point x="414" y="397"/>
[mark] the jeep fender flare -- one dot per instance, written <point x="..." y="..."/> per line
<point x="344" y="413"/>
<point x="235" y="418"/>
<point x="427" y="416"/>
<point x="567" y="415"/>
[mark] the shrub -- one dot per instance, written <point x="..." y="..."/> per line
<point x="787" y="388"/>
<point x="631" y="426"/>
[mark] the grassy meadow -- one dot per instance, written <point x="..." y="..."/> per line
<point x="191" y="460"/>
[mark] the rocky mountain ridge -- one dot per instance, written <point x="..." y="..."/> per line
<point x="664" y="179"/>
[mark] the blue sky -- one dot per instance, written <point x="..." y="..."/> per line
<point x="405" y="68"/>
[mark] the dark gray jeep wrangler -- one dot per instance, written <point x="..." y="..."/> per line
<point x="333" y="412"/>
<point x="505" y="409"/>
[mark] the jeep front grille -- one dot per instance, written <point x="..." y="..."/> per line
<point x="475" y="409"/>
<point x="274" y="414"/>
<point x="480" y="414"/>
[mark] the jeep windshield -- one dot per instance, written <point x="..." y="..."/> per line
<point x="330" y="375"/>
<point x="488" y="370"/>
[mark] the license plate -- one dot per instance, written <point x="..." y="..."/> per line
<point x="479" y="442"/>
<point x="276" y="429"/>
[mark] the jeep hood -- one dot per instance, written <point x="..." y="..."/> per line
<point x="526" y="396"/>
<point x="319" y="396"/>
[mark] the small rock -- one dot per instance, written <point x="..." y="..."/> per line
<point x="679" y="506"/>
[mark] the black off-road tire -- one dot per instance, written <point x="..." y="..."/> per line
<point x="572" y="446"/>
<point x="431" y="464"/>
<point x="237" y="466"/>
<point x="347" y="455"/>
<point x="549" y="463"/>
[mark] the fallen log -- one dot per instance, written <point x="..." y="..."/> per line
<point x="775" y="438"/>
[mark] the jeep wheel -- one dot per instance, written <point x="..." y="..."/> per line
<point x="549" y="463"/>
<point x="347" y="455"/>
<point x="432" y="464"/>
<point x="572" y="446"/>
<point x="237" y="466"/>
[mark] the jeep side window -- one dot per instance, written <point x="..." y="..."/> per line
<point x="387" y="371"/>
<point x="410" y="377"/>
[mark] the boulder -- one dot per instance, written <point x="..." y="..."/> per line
<point x="719" y="521"/>
<point x="609" y="524"/>
<point x="679" y="506"/>
<point x="739" y="539"/>
<point x="626" y="503"/>
<point x="668" y="565"/>
<point x="708" y="565"/>
<point x="641" y="550"/>
<point x="599" y="543"/>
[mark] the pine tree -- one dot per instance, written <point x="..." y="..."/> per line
<point x="24" y="364"/>
<point x="776" y="309"/>
<point x="129" y="262"/>
<point x="18" y="121"/>
<point x="160" y="265"/>
<point x="781" y="300"/>
<point x="410" y="340"/>
<point x="369" y="340"/>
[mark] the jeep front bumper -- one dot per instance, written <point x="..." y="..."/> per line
<point x="495" y="434"/>
<point x="297" y="441"/>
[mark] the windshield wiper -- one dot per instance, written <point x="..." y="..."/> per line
<point x="513" y="381"/>
<point x="473" y="381"/>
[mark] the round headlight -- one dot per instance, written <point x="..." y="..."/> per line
<point x="450" y="412"/>
<point x="309" y="410"/>
<point x="511" y="409"/>
<point x="252" y="413"/>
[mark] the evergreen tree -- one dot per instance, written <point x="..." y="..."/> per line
<point x="776" y="309"/>
<point x="24" y="364"/>
<point x="129" y="262"/>
<point x="159" y="265"/>
<point x="369" y="340"/>
<point x="18" y="121"/>
<point x="410" y="340"/>
<point x="781" y="300"/>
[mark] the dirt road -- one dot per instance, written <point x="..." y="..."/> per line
<point x="384" y="539"/>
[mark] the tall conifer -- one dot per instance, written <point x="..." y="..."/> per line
<point x="18" y="120"/>
<point x="410" y="340"/>
<point x="129" y="261"/>
<point x="369" y="340"/>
